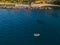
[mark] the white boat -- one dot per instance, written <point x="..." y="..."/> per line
<point x="36" y="34"/>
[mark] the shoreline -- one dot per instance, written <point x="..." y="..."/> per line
<point x="19" y="6"/>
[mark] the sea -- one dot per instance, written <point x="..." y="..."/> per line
<point x="17" y="27"/>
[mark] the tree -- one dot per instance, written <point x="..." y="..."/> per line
<point x="57" y="2"/>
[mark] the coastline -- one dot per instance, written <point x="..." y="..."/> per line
<point x="32" y="6"/>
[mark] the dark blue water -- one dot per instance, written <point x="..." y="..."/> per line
<point x="18" y="26"/>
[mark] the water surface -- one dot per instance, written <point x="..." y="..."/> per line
<point x="18" y="26"/>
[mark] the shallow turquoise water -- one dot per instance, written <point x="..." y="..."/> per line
<point x="18" y="26"/>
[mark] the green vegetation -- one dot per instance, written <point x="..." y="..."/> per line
<point x="11" y="1"/>
<point x="57" y="2"/>
<point x="16" y="1"/>
<point x="29" y="1"/>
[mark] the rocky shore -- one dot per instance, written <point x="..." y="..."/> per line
<point x="32" y="6"/>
